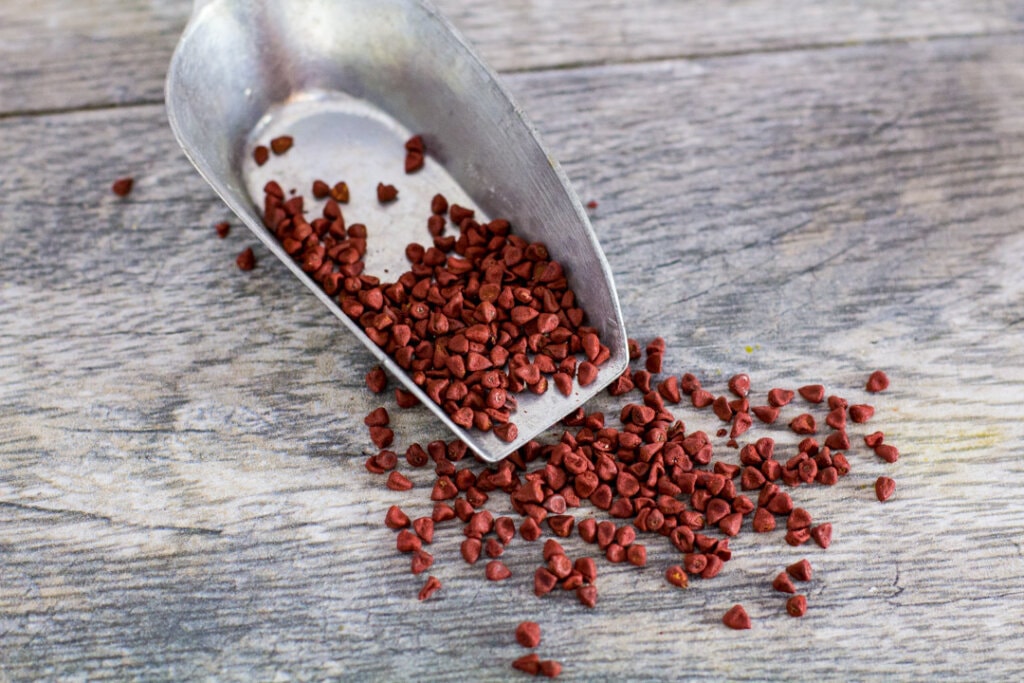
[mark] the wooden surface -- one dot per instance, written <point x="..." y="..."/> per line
<point x="800" y="190"/>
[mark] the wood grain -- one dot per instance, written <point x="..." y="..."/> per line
<point x="56" y="54"/>
<point x="182" y="491"/>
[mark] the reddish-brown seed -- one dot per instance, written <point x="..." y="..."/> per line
<point x="636" y="554"/>
<point x="587" y="595"/>
<point x="543" y="581"/>
<point x="803" y="424"/>
<point x="395" y="518"/>
<point x="874" y="439"/>
<point x="421" y="561"/>
<point x="340" y="193"/>
<point x="260" y="155"/>
<point x="282" y="144"/>
<point x="783" y="584"/>
<point x="497" y="571"/>
<point x="561" y="524"/>
<point x="376" y="379"/>
<point x="740" y="384"/>
<point x="222" y="228"/>
<point x="780" y="397"/>
<point x="321" y="189"/>
<point x="122" y="186"/>
<point x="529" y="529"/>
<point x="766" y="414"/>
<point x="470" y="550"/>
<point x="801" y="571"/>
<point x="822" y="534"/>
<point x="736" y="618"/>
<point x="424" y="527"/>
<point x="413" y="161"/>
<point x="528" y="664"/>
<point x="587" y="568"/>
<point x="429" y="588"/>
<point x="878" y="381"/>
<point x="798" y="519"/>
<point x="813" y="393"/>
<point x="887" y="452"/>
<point x="676" y="575"/>
<point x="884" y="488"/>
<point x="528" y="634"/>
<point x="407" y="541"/>
<point x="386" y="193"/>
<point x="551" y="668"/>
<point x="586" y="373"/>
<point x="861" y="413"/>
<point x="587" y="530"/>
<point x="764" y="521"/>
<point x="796" y="606"/>
<point x="246" y="260"/>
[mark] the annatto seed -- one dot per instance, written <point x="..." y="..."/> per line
<point x="813" y="393"/>
<point x="424" y="528"/>
<point x="429" y="588"/>
<point x="528" y="634"/>
<point x="740" y="384"/>
<point x="884" y="488"/>
<point x="736" y="618"/>
<point x="376" y="379"/>
<point x="766" y="414"/>
<point x="801" y="571"/>
<point x="551" y="668"/>
<point x="887" y="453"/>
<point x="407" y="541"/>
<point x="497" y="571"/>
<point x="587" y="595"/>
<point x="260" y="155"/>
<point x="122" y="187"/>
<point x="395" y="518"/>
<point x="528" y="664"/>
<point x="874" y="439"/>
<point x="878" y="381"/>
<point x="246" y="260"/>
<point x="796" y="606"/>
<point x="386" y="193"/>
<point x="676" y="575"/>
<point x="222" y="228"/>
<point x="803" y="424"/>
<point x="543" y="581"/>
<point x="587" y="568"/>
<point x="783" y="583"/>
<point x="421" y="561"/>
<point x="861" y="413"/>
<point x="636" y="554"/>
<point x="780" y="397"/>
<point x="282" y="144"/>
<point x="398" y="482"/>
<point x="822" y="534"/>
<point x="529" y="529"/>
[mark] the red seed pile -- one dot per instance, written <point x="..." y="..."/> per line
<point x="650" y="475"/>
<point x="480" y="316"/>
<point x="483" y="315"/>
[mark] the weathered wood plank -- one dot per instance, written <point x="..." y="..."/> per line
<point x="182" y="491"/>
<point x="56" y="54"/>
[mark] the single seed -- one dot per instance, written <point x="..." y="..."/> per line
<point x="122" y="187"/>
<point x="528" y="664"/>
<point x="861" y="413"/>
<point x="421" y="561"/>
<point x="779" y="397"/>
<point x="803" y="424"/>
<point x="424" y="528"/>
<point x="260" y="155"/>
<point x="395" y="518"/>
<point x="429" y="588"/>
<point x="796" y="606"/>
<point x="470" y="550"/>
<point x="676" y="575"/>
<point x="246" y="260"/>
<point x="282" y="144"/>
<point x="496" y="571"/>
<point x="386" y="193"/>
<point x="222" y="229"/>
<point x="740" y="384"/>
<point x="528" y="634"/>
<point x="376" y="379"/>
<point x="822" y="534"/>
<point x="887" y="453"/>
<point x="587" y="595"/>
<point x="551" y="668"/>
<point x="884" y="488"/>
<point x="783" y="584"/>
<point x="878" y="381"/>
<point x="801" y="571"/>
<point x="321" y="189"/>
<point x="813" y="393"/>
<point x="736" y="618"/>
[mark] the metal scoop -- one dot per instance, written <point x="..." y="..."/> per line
<point x="351" y="81"/>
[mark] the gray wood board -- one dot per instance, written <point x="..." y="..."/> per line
<point x="60" y="55"/>
<point x="183" y="492"/>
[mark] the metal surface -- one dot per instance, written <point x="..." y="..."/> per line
<point x="351" y="80"/>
